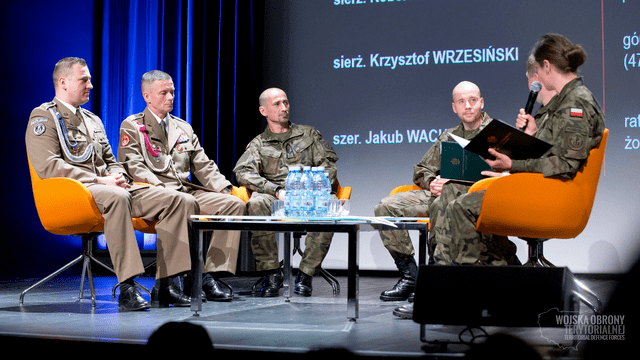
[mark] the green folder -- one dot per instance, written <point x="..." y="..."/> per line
<point x="459" y="164"/>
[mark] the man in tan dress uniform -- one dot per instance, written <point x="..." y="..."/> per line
<point x="64" y="140"/>
<point x="163" y="150"/>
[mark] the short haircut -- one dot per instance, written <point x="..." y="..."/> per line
<point x="152" y="76"/>
<point x="63" y="67"/>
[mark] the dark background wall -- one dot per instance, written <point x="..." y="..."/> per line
<point x="222" y="53"/>
<point x="35" y="34"/>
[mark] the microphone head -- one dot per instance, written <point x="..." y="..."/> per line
<point x="535" y="87"/>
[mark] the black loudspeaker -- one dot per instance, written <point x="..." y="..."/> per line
<point x="494" y="295"/>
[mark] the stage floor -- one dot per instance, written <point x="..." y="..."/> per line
<point x="52" y="316"/>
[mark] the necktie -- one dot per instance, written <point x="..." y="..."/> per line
<point x="165" y="127"/>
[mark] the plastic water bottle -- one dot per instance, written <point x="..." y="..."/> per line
<point x="322" y="193"/>
<point x="292" y="195"/>
<point x="306" y="196"/>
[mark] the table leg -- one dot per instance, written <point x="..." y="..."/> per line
<point x="353" y="276"/>
<point x="286" y="240"/>
<point x="422" y="244"/>
<point x="196" y="269"/>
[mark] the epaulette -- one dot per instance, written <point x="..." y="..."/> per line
<point x="134" y="116"/>
<point x="88" y="112"/>
<point x="47" y="105"/>
<point x="177" y="118"/>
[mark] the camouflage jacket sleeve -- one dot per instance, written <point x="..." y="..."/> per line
<point x="574" y="126"/>
<point x="250" y="167"/>
<point x="429" y="166"/>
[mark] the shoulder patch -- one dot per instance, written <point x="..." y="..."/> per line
<point x="39" y="129"/>
<point x="39" y="120"/>
<point x="125" y="140"/>
<point x="576" y="112"/>
<point x="576" y="141"/>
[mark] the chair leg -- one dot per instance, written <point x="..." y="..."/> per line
<point x="335" y="285"/>
<point x="86" y="257"/>
<point x="536" y="257"/>
<point x="46" y="279"/>
<point x="86" y="268"/>
<point x="595" y="308"/>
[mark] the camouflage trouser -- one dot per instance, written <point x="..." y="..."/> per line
<point x="458" y="242"/>
<point x="265" y="246"/>
<point x="413" y="203"/>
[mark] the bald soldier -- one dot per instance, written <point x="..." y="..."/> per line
<point x="573" y="122"/>
<point x="163" y="150"/>
<point x="65" y="140"/>
<point x="435" y="191"/>
<point x="263" y="168"/>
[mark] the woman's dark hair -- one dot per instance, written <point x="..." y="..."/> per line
<point x="560" y="52"/>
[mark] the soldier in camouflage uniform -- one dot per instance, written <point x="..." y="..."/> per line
<point x="263" y="168"/>
<point x="572" y="122"/>
<point x="435" y="193"/>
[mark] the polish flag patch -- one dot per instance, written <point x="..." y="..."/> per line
<point x="576" y="112"/>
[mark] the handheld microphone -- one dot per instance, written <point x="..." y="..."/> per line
<point x="533" y="94"/>
<point x="535" y="89"/>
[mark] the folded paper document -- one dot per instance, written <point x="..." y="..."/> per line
<point x="459" y="164"/>
<point x="506" y="139"/>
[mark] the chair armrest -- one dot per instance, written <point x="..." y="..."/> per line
<point x="403" y="188"/>
<point x="344" y="193"/>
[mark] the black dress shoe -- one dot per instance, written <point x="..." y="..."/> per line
<point x="169" y="295"/>
<point x="404" y="311"/>
<point x="130" y="299"/>
<point x="213" y="291"/>
<point x="187" y="289"/>
<point x="271" y="284"/>
<point x="303" y="284"/>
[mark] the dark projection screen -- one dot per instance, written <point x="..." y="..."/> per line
<point x="375" y="77"/>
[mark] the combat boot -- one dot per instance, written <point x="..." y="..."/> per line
<point x="407" y="283"/>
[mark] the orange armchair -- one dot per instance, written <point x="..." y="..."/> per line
<point x="66" y="207"/>
<point x="536" y="208"/>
